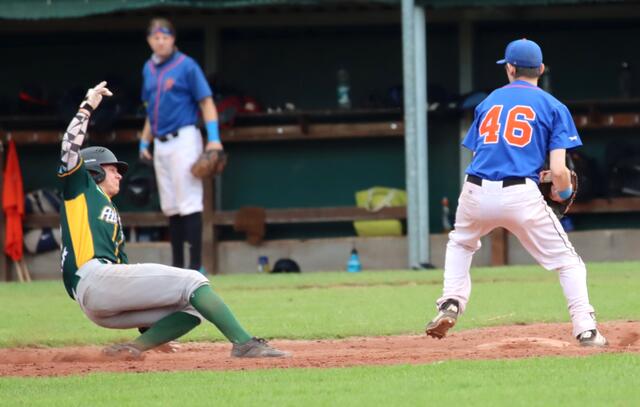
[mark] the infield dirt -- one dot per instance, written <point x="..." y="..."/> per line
<point x="503" y="342"/>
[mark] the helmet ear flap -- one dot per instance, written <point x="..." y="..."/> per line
<point x="98" y="176"/>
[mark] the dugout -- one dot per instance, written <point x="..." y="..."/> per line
<point x="290" y="51"/>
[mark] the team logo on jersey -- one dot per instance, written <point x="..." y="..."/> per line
<point x="168" y="84"/>
<point x="65" y="252"/>
<point x="573" y="138"/>
<point x="109" y="215"/>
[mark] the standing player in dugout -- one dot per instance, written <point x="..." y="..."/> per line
<point x="174" y="91"/>
<point x="514" y="130"/>
<point x="113" y="294"/>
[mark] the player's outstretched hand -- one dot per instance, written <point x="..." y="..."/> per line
<point x="95" y="94"/>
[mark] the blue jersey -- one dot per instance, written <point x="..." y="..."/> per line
<point x="171" y="91"/>
<point x="514" y="129"/>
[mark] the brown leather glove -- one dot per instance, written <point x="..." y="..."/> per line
<point x="210" y="163"/>
<point x="559" y="208"/>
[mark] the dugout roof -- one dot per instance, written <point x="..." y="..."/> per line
<point x="54" y="9"/>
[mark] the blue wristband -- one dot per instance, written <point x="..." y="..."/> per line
<point x="144" y="145"/>
<point x="566" y="193"/>
<point x="213" y="134"/>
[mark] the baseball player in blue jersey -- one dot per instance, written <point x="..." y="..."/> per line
<point x="514" y="130"/>
<point x="169" y="301"/>
<point x="174" y="91"/>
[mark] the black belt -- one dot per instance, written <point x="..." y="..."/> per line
<point x="507" y="182"/>
<point x="167" y="137"/>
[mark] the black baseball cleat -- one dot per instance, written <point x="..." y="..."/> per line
<point x="256" y="348"/>
<point x="592" y="338"/>
<point x="445" y="320"/>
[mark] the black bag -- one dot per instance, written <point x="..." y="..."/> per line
<point x="42" y="201"/>
<point x="623" y="160"/>
<point x="587" y="171"/>
<point x="285" y="266"/>
<point x="625" y="176"/>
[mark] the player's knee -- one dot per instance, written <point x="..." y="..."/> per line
<point x="196" y="280"/>
<point x="197" y="277"/>
<point x="466" y="245"/>
<point x="577" y="267"/>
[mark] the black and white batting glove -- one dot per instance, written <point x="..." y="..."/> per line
<point x="94" y="97"/>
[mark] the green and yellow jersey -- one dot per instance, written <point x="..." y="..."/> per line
<point x="90" y="225"/>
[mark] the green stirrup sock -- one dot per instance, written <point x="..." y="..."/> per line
<point x="211" y="306"/>
<point x="167" y="329"/>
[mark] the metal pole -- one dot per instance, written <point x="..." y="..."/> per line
<point x="422" y="137"/>
<point x="410" y="125"/>
<point x="212" y="188"/>
<point x="466" y="85"/>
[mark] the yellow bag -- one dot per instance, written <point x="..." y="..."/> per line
<point x="374" y="199"/>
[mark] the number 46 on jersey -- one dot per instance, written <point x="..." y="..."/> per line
<point x="517" y="130"/>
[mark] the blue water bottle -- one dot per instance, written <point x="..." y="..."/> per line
<point x="343" y="89"/>
<point x="353" y="265"/>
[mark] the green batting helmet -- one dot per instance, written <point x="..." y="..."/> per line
<point x="95" y="157"/>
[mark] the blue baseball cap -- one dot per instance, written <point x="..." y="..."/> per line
<point x="522" y="53"/>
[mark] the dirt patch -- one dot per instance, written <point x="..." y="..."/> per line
<point x="503" y="342"/>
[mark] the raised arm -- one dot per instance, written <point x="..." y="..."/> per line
<point x="77" y="129"/>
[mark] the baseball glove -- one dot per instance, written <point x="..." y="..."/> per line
<point x="559" y="208"/>
<point x="210" y="163"/>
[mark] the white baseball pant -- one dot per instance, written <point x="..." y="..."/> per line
<point x="135" y="295"/>
<point x="180" y="192"/>
<point x="521" y="210"/>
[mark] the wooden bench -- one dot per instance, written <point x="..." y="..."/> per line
<point x="316" y="215"/>
<point x="500" y="237"/>
<point x="227" y="218"/>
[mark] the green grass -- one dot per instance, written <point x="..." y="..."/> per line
<point x="330" y="305"/>
<point x="334" y="305"/>
<point x="604" y="380"/>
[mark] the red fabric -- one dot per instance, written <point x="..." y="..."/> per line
<point x="13" y="204"/>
